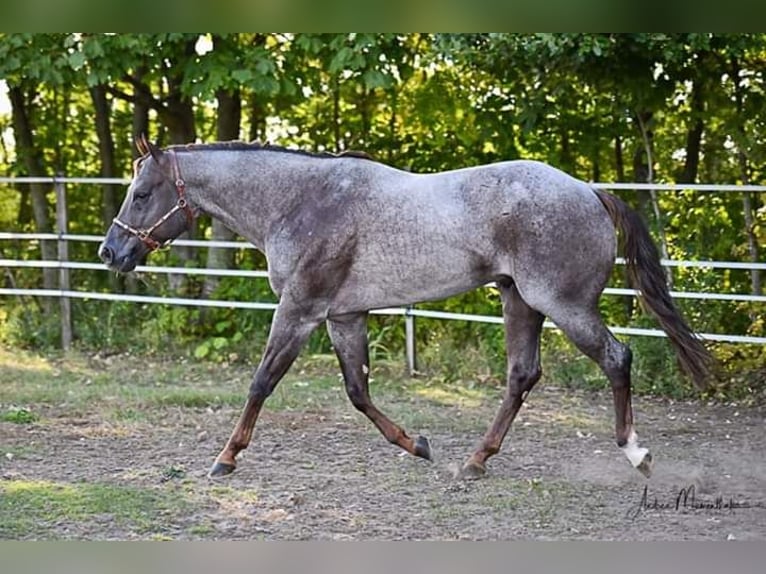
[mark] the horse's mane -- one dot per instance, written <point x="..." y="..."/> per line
<point x="237" y="145"/>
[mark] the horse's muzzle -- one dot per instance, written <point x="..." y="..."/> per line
<point x="122" y="261"/>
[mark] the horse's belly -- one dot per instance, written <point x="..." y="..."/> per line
<point x="406" y="283"/>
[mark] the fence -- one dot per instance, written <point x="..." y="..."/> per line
<point x="65" y="293"/>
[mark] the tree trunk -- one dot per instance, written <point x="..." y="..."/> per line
<point x="752" y="241"/>
<point x="619" y="159"/>
<point x="102" y="112"/>
<point x="361" y="141"/>
<point x="140" y="122"/>
<point x="392" y="121"/>
<point x="140" y="126"/>
<point x="744" y="168"/>
<point x="256" y="110"/>
<point x="229" y="116"/>
<point x="642" y="169"/>
<point x="336" y="112"/>
<point x="228" y="126"/>
<point x="647" y="137"/>
<point x="32" y="161"/>
<point x="178" y="117"/>
<point x="257" y="119"/>
<point x="109" y="199"/>
<point x="567" y="162"/>
<point x="596" y="169"/>
<point x="747" y="209"/>
<point x="694" y="136"/>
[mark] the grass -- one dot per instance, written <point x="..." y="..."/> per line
<point x="537" y="501"/>
<point x="32" y="508"/>
<point x="44" y="509"/>
<point x="19" y="416"/>
<point x="124" y="388"/>
<point x="127" y="388"/>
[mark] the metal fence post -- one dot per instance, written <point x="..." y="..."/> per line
<point x="409" y="333"/>
<point x="63" y="256"/>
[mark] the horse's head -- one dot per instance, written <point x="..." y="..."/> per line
<point x="154" y="213"/>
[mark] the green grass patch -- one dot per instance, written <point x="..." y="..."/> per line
<point x="18" y="415"/>
<point x="33" y="509"/>
<point x="125" y="387"/>
<point x="134" y="389"/>
<point x="129" y="415"/>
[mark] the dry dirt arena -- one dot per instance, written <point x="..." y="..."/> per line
<point x="325" y="473"/>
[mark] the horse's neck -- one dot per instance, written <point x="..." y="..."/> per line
<point x="247" y="191"/>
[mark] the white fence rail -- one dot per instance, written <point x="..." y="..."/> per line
<point x="65" y="293"/>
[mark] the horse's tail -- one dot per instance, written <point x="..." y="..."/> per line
<point x="646" y="275"/>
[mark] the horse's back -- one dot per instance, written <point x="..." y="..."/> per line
<point x="424" y="237"/>
<point x="523" y="205"/>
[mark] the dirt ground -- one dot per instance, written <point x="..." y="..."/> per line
<point x="325" y="473"/>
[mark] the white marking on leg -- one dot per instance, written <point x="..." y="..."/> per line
<point x="635" y="453"/>
<point x="365" y="369"/>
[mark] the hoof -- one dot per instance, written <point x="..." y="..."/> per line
<point x="423" y="448"/>
<point x="471" y="471"/>
<point x="638" y="456"/>
<point x="646" y="465"/>
<point x="221" y="469"/>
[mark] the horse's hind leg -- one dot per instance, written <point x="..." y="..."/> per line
<point x="522" y="336"/>
<point x="349" y="338"/>
<point x="587" y="331"/>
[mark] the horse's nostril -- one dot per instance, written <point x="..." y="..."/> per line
<point x="106" y="254"/>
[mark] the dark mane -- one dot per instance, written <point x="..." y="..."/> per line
<point x="237" y="145"/>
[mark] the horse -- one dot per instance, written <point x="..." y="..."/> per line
<point x="344" y="234"/>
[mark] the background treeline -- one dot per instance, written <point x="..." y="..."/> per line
<point x="678" y="108"/>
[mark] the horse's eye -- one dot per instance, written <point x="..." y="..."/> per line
<point x="143" y="194"/>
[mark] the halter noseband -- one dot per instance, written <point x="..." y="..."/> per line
<point x="145" y="235"/>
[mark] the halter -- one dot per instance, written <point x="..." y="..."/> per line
<point x="145" y="235"/>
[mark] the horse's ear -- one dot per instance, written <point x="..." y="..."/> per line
<point x="144" y="147"/>
<point x="154" y="150"/>
<point x="141" y="146"/>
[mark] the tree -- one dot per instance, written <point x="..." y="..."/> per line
<point x="27" y="62"/>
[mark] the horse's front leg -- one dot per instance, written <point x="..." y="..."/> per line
<point x="290" y="329"/>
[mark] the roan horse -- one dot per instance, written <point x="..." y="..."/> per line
<point x="344" y="234"/>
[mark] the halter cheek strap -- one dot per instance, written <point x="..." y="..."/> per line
<point x="145" y="235"/>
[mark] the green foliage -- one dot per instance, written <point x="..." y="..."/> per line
<point x="28" y="326"/>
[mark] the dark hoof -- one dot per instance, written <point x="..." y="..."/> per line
<point x="471" y="471"/>
<point x="422" y="448"/>
<point x="221" y="469"/>
<point x="646" y="465"/>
